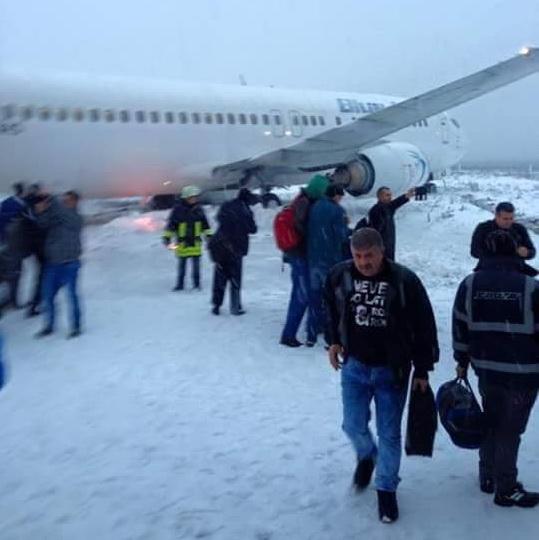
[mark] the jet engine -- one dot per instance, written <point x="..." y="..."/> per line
<point x="396" y="165"/>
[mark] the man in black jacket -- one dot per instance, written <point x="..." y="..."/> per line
<point x="228" y="247"/>
<point x="504" y="219"/>
<point x="380" y="322"/>
<point x="382" y="217"/>
<point x="496" y="329"/>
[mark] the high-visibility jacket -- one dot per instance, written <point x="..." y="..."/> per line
<point x="187" y="224"/>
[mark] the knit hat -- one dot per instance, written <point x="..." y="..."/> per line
<point x="190" y="191"/>
<point x="316" y="188"/>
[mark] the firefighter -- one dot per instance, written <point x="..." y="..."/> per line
<point x="187" y="224"/>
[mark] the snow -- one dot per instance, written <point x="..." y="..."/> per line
<point x="163" y="421"/>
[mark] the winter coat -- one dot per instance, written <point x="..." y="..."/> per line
<point x="187" y="224"/>
<point x="518" y="232"/>
<point x="236" y="223"/>
<point x="327" y="234"/>
<point x="496" y="323"/>
<point x="411" y="329"/>
<point x="10" y="209"/>
<point x="381" y="218"/>
<point x="63" y="228"/>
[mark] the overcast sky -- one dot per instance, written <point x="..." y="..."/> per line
<point x="396" y="47"/>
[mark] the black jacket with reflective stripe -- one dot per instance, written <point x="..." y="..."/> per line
<point x="496" y="323"/>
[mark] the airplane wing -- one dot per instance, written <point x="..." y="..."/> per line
<point x="336" y="146"/>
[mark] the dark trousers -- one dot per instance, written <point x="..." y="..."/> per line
<point x="38" y="283"/>
<point x="299" y="300"/>
<point x="317" y="280"/>
<point x="228" y="271"/>
<point x="182" y="268"/>
<point x="507" y="410"/>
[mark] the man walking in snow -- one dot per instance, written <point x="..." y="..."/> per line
<point x="380" y="323"/>
<point x="496" y="330"/>
<point x="382" y="216"/>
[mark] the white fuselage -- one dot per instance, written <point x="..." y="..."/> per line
<point x="118" y="138"/>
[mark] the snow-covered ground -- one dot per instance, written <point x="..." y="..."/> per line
<point x="165" y="422"/>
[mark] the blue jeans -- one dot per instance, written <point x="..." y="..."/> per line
<point x="317" y="280"/>
<point x="299" y="300"/>
<point x="360" y="384"/>
<point x="182" y="269"/>
<point x="55" y="277"/>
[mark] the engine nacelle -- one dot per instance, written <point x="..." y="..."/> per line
<point x="396" y="165"/>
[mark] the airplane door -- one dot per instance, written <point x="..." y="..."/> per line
<point x="277" y="123"/>
<point x="295" y="123"/>
<point x="444" y="130"/>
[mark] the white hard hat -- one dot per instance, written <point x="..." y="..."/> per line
<point x="190" y="191"/>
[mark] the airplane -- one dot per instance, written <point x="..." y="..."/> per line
<point x="111" y="137"/>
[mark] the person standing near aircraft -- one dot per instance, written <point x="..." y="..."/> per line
<point x="504" y="219"/>
<point x="187" y="224"/>
<point x="382" y="216"/>
<point x="299" y="268"/>
<point x="380" y="323"/>
<point x="496" y="330"/>
<point x="63" y="226"/>
<point x="228" y="247"/>
<point x="327" y="236"/>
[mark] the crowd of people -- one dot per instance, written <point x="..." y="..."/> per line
<point x="374" y="314"/>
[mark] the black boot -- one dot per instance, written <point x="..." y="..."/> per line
<point x="290" y="342"/>
<point x="388" y="510"/>
<point x="363" y="473"/>
<point x="517" y="496"/>
<point x="215" y="310"/>
<point x="486" y="485"/>
<point x="47" y="331"/>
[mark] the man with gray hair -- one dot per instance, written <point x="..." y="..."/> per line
<point x="380" y="323"/>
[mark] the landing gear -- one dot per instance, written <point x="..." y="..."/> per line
<point x="270" y="200"/>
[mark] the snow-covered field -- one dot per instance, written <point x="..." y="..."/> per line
<point x="165" y="422"/>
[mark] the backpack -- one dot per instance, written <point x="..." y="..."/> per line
<point x="460" y="413"/>
<point x="287" y="237"/>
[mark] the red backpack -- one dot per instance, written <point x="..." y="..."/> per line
<point x="286" y="235"/>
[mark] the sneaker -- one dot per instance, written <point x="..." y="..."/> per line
<point x="290" y="342"/>
<point x="74" y="333"/>
<point x="177" y="288"/>
<point x="238" y="312"/>
<point x="518" y="496"/>
<point x="486" y="485"/>
<point x="388" y="510"/>
<point x="215" y="310"/>
<point x="47" y="331"/>
<point x="363" y="473"/>
<point x="310" y="343"/>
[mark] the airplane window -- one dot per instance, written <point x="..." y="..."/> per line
<point x="322" y="120"/>
<point x="44" y="113"/>
<point x="243" y="118"/>
<point x="78" y="115"/>
<point x="254" y="119"/>
<point x="208" y="118"/>
<point x="27" y="113"/>
<point x="196" y="118"/>
<point x="61" y="115"/>
<point x="140" y="116"/>
<point x="183" y="118"/>
<point x="295" y="120"/>
<point x="265" y="119"/>
<point x="110" y="115"/>
<point x="277" y="119"/>
<point x="124" y="116"/>
<point x="95" y="115"/>
<point x="8" y="111"/>
<point x="338" y="120"/>
<point x="169" y="118"/>
<point x="313" y="121"/>
<point x="305" y="120"/>
<point x="231" y="118"/>
<point x="219" y="118"/>
<point x="155" y="117"/>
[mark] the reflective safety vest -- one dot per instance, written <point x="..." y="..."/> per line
<point x="189" y="243"/>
